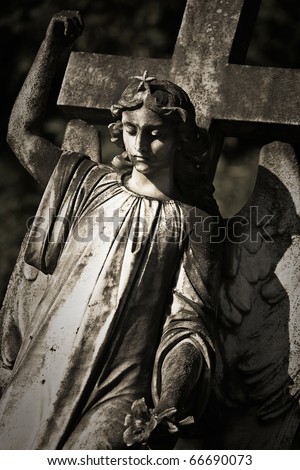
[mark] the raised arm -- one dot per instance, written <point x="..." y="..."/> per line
<point x="38" y="155"/>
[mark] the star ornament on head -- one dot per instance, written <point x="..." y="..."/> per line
<point x="145" y="80"/>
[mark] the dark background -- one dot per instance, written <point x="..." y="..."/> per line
<point x="128" y="27"/>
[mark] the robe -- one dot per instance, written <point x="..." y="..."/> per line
<point x="130" y="276"/>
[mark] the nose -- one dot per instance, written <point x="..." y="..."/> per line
<point x="140" y="142"/>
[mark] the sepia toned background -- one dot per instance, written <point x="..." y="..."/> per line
<point x="127" y="27"/>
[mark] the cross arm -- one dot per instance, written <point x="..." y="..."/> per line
<point x="259" y="95"/>
<point x="93" y="82"/>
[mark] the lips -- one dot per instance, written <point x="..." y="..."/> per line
<point x="141" y="158"/>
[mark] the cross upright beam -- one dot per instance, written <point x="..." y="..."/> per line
<point x="209" y="41"/>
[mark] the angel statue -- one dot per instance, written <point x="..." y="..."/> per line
<point x="124" y="330"/>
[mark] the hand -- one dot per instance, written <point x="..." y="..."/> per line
<point x="65" y="27"/>
<point x="142" y="421"/>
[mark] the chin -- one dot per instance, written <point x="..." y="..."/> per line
<point x="143" y="168"/>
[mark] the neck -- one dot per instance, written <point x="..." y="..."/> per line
<point x="158" y="184"/>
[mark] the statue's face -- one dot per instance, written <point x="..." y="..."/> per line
<point x="150" y="140"/>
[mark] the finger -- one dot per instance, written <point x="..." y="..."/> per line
<point x="66" y="26"/>
<point x="80" y="21"/>
<point x="78" y="25"/>
<point x="72" y="27"/>
<point x="79" y="18"/>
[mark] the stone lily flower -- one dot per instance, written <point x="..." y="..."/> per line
<point x="142" y="421"/>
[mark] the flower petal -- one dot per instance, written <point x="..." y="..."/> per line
<point x="139" y="410"/>
<point x="168" y="413"/>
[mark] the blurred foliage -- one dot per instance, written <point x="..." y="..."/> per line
<point x="125" y="27"/>
<point x="276" y="36"/>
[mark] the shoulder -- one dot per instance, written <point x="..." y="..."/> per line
<point x="74" y="166"/>
<point x="199" y="221"/>
<point x="70" y="159"/>
<point x="204" y="234"/>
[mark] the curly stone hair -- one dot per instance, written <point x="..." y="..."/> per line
<point x="171" y="102"/>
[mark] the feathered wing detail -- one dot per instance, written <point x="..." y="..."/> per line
<point x="259" y="324"/>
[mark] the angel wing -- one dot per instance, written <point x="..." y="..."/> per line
<point x="258" y="374"/>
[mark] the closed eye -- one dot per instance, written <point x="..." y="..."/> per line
<point x="130" y="129"/>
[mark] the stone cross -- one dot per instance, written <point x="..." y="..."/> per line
<point x="230" y="98"/>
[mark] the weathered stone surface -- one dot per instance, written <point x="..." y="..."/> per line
<point x="226" y="91"/>
<point x="27" y="284"/>
<point x="212" y="35"/>
<point x="83" y="138"/>
<point x="25" y="289"/>
<point x="230" y="98"/>
<point x="288" y="267"/>
<point x="259" y="338"/>
<point x="93" y="82"/>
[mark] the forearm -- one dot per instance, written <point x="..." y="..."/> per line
<point x="28" y="114"/>
<point x="180" y="372"/>
<point x="29" y="108"/>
